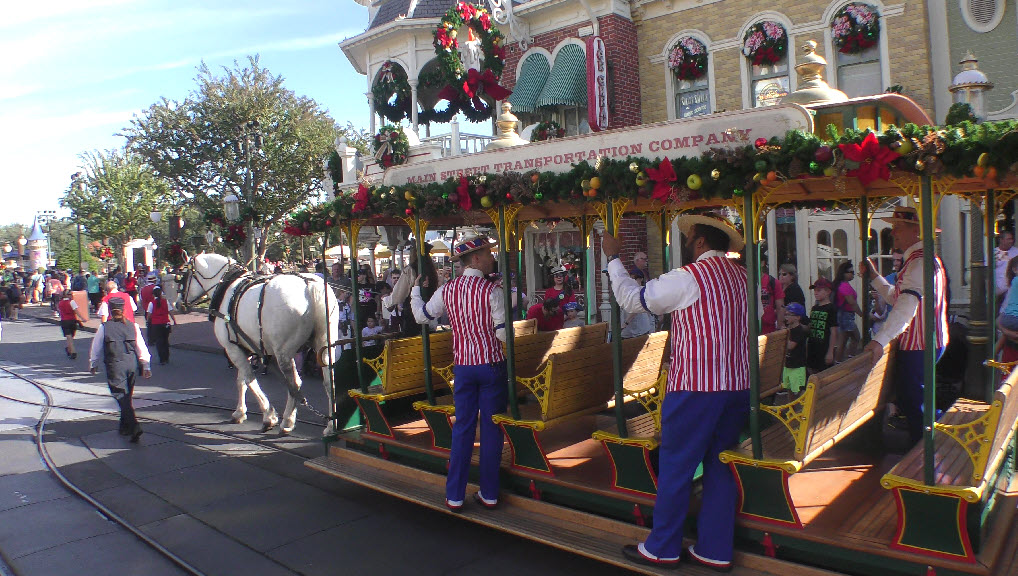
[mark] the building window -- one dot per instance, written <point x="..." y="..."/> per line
<point x="982" y="15"/>
<point x="687" y="61"/>
<point x="860" y="74"/>
<point x="855" y="35"/>
<point x="766" y="47"/>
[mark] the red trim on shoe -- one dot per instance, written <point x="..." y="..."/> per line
<point x="716" y="565"/>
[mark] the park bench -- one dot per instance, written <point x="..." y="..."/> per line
<point x="531" y="349"/>
<point x="974" y="461"/>
<point x="401" y="373"/>
<point x="632" y="457"/>
<point x="574" y="383"/>
<point x="835" y="403"/>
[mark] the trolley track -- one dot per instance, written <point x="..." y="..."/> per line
<point x="48" y="406"/>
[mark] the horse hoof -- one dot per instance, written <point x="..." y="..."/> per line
<point x="238" y="419"/>
<point x="284" y="432"/>
<point x="266" y="426"/>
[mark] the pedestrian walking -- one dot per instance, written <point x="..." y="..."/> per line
<point x="14" y="299"/>
<point x="119" y="345"/>
<point x="706" y="403"/>
<point x="160" y="319"/>
<point x="94" y="290"/>
<point x="114" y="293"/>
<point x="477" y="314"/>
<point x="67" y="308"/>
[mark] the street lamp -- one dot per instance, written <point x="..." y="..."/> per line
<point x="78" y="181"/>
<point x="248" y="141"/>
<point x="231" y="207"/>
<point x="156" y="216"/>
<point x="210" y="237"/>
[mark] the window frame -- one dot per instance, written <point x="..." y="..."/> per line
<point x="671" y="82"/>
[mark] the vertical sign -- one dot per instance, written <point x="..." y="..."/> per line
<point x="597" y="84"/>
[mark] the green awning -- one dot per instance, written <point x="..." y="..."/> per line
<point x="567" y="84"/>
<point x="533" y="75"/>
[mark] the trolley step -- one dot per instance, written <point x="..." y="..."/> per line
<point x="577" y="532"/>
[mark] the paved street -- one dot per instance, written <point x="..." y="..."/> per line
<point x="223" y="505"/>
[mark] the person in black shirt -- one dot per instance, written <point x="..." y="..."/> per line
<point x="789" y="280"/>
<point x="823" y="322"/>
<point x="793" y="378"/>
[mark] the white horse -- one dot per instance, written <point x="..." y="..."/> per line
<point x="292" y="311"/>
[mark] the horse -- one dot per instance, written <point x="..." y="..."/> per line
<point x="267" y="316"/>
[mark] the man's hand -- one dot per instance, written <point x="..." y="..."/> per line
<point x="829" y="359"/>
<point x="610" y="245"/>
<point x="93" y="370"/>
<point x="866" y="266"/>
<point x="875" y="349"/>
<point x="146" y="373"/>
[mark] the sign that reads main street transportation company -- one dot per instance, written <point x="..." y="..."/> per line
<point x="690" y="137"/>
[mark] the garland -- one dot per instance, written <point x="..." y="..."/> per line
<point x="464" y="87"/>
<point x="988" y="151"/>
<point x="436" y="115"/>
<point x="855" y="28"/>
<point x="391" y="146"/>
<point x="546" y="131"/>
<point x="234" y="236"/>
<point x="392" y="83"/>
<point x="175" y="254"/>
<point x="688" y="59"/>
<point x="765" y="43"/>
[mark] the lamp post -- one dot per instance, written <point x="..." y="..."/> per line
<point x="210" y="237"/>
<point x="46" y="218"/>
<point x="248" y="141"/>
<point x="78" y="181"/>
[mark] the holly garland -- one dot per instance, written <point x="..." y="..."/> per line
<point x="855" y="28"/>
<point x="391" y="93"/>
<point x="988" y="151"/>
<point x="391" y="146"/>
<point x="765" y="43"/>
<point x="546" y="131"/>
<point x="466" y="85"/>
<point x="688" y="59"/>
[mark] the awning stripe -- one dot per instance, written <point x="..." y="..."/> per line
<point x="533" y="75"/>
<point x="567" y="83"/>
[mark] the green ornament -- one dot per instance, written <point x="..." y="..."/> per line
<point x="737" y="192"/>
<point x="538" y="195"/>
<point x="814" y="166"/>
<point x="445" y="195"/>
<point x="761" y="165"/>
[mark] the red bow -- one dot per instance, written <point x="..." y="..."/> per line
<point x="483" y="82"/>
<point x="361" y="198"/>
<point x="463" y="194"/>
<point x="663" y="176"/>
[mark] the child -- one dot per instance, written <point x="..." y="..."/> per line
<point x="1008" y="318"/>
<point x="370" y="329"/>
<point x="793" y="378"/>
<point x="823" y="322"/>
<point x="573" y="320"/>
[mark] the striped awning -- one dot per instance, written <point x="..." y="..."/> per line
<point x="567" y="84"/>
<point x="533" y="75"/>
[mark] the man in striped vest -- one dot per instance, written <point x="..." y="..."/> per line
<point x="476" y="311"/>
<point x="707" y="401"/>
<point x="906" y="317"/>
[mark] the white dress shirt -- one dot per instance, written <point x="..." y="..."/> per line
<point x="435" y="308"/>
<point x="673" y="291"/>
<point x="904" y="307"/>
<point x="96" y="353"/>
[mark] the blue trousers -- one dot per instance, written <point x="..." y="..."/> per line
<point x="481" y="388"/>
<point x="910" y="374"/>
<point x="695" y="428"/>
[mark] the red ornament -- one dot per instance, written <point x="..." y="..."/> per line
<point x="760" y="142"/>
<point x="508" y="196"/>
<point x="328" y="222"/>
<point x="409" y="211"/>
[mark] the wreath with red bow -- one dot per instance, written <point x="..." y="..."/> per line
<point x="391" y="92"/>
<point x="546" y="131"/>
<point x="765" y="43"/>
<point x="465" y="86"/>
<point x="688" y="59"/>
<point x="855" y="28"/>
<point x="391" y="146"/>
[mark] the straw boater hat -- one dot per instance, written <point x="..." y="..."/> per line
<point x="736" y="242"/>
<point x="905" y="215"/>
<point x="472" y="244"/>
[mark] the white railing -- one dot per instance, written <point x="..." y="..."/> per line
<point x="467" y="143"/>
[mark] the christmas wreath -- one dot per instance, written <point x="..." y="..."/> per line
<point x="391" y="146"/>
<point x="391" y="92"/>
<point x="765" y="43"/>
<point x="234" y="236"/>
<point x="688" y="59"/>
<point x="175" y="254"/>
<point x="546" y="131"/>
<point x="855" y="28"/>
<point x="465" y="85"/>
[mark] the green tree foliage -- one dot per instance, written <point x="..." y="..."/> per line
<point x="960" y="112"/>
<point x="194" y="144"/>
<point x="64" y="244"/>
<point x="119" y="194"/>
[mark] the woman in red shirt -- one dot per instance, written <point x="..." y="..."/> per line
<point x="131" y="285"/>
<point x="159" y="316"/>
<point x="562" y="290"/>
<point x="68" y="310"/>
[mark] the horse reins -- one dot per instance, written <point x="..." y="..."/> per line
<point x="191" y="272"/>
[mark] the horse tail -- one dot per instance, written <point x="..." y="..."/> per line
<point x="326" y="318"/>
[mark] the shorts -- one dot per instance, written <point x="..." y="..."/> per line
<point x="794" y="379"/>
<point x="69" y="327"/>
<point x="846" y="321"/>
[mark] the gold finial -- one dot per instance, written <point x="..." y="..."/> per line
<point x="812" y="87"/>
<point x="507" y="135"/>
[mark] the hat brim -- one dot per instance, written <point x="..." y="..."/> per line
<point x="735" y="240"/>
<point x="894" y="219"/>
<point x="490" y="246"/>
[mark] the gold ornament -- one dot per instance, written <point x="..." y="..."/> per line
<point x="715" y="174"/>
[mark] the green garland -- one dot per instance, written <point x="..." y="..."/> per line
<point x="988" y="150"/>
<point x="392" y="82"/>
<point x="451" y="64"/>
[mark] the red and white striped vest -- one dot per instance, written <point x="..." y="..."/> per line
<point x="468" y="304"/>
<point x="709" y="338"/>
<point x="913" y="336"/>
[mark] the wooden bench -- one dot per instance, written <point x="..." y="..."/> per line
<point x="574" y="383"/>
<point x="632" y="457"/>
<point x="835" y="403"/>
<point x="974" y="461"/>
<point x="532" y="350"/>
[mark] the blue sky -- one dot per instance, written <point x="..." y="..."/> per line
<point x="74" y="73"/>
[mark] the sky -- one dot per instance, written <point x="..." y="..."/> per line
<point x="75" y="72"/>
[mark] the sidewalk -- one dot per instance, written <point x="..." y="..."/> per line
<point x="192" y="332"/>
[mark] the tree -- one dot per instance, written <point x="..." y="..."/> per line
<point x="64" y="243"/>
<point x="197" y="144"/>
<point x="120" y="192"/>
<point x="960" y="112"/>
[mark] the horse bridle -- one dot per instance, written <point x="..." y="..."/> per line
<point x="189" y="274"/>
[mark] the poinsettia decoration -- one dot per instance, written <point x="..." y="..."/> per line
<point x="235" y="236"/>
<point x="688" y="59"/>
<point x="546" y="131"/>
<point x="855" y="28"/>
<point x="872" y="159"/>
<point x="106" y="252"/>
<point x="766" y="43"/>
